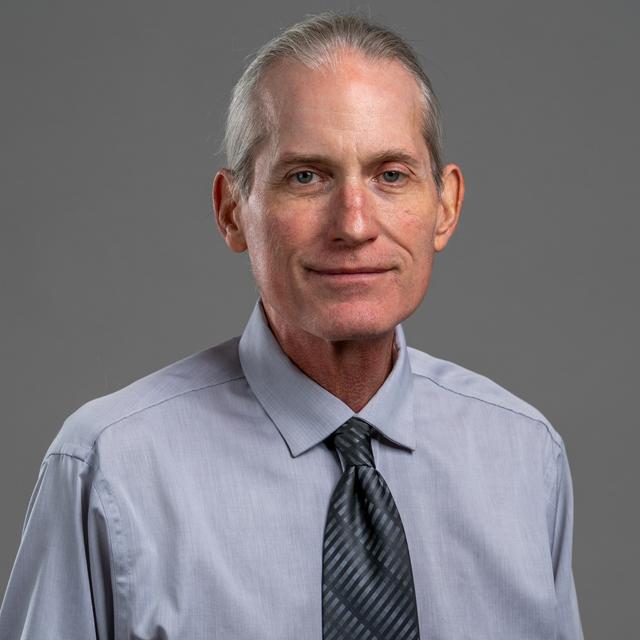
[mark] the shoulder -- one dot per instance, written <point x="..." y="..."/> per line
<point x="465" y="386"/>
<point x="210" y="367"/>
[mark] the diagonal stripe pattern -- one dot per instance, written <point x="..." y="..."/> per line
<point x="367" y="583"/>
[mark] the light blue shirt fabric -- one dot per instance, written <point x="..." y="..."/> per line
<point x="191" y="505"/>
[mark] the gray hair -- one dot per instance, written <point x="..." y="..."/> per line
<point x="314" y="42"/>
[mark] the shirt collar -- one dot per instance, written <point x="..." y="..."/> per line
<point x="304" y="412"/>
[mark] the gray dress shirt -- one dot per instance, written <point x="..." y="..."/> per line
<point x="191" y="505"/>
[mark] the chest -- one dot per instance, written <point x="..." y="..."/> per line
<point x="233" y="548"/>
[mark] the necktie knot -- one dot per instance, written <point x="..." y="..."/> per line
<point x="353" y="441"/>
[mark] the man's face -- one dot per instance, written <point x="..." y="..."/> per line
<point x="343" y="217"/>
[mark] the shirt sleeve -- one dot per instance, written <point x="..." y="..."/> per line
<point x="568" y="615"/>
<point x="60" y="585"/>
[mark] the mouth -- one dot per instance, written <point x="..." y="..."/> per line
<point x="350" y="275"/>
<point x="349" y="271"/>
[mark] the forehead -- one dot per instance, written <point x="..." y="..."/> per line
<point x="352" y="105"/>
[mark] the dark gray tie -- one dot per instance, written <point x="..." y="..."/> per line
<point x="367" y="583"/>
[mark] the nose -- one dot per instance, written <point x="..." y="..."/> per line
<point x="353" y="216"/>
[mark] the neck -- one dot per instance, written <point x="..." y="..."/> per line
<point x="352" y="370"/>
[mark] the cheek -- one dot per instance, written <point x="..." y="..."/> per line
<point x="414" y="233"/>
<point x="274" y="240"/>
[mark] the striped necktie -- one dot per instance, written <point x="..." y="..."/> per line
<point x="367" y="583"/>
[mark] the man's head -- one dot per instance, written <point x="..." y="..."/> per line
<point x="336" y="186"/>
<point x="314" y="43"/>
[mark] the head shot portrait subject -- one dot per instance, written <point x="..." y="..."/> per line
<point x="314" y="477"/>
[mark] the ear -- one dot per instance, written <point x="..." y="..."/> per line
<point x="226" y="208"/>
<point x="451" y="198"/>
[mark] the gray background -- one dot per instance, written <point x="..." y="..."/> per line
<point x="111" y="264"/>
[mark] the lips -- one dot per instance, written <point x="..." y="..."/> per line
<point x="352" y="278"/>
<point x="348" y="270"/>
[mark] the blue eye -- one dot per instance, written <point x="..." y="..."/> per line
<point x="304" y="177"/>
<point x="391" y="176"/>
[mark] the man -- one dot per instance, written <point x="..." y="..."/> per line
<point x="315" y="478"/>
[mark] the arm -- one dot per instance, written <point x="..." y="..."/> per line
<point x="60" y="584"/>
<point x="568" y="615"/>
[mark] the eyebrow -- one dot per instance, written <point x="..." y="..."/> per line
<point x="292" y="159"/>
<point x="395" y="155"/>
<point x="388" y="155"/>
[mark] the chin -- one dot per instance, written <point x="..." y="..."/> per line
<point x="354" y="322"/>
